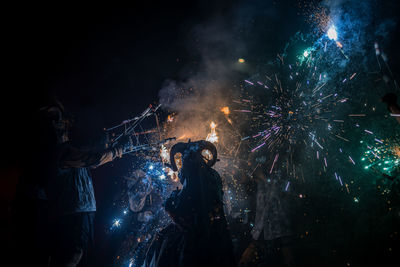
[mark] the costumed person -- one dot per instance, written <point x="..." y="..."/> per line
<point x="390" y="99"/>
<point x="272" y="234"/>
<point x="199" y="234"/>
<point x="70" y="193"/>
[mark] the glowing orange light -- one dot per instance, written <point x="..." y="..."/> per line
<point x="164" y="154"/>
<point x="212" y="136"/>
<point x="181" y="137"/>
<point x="170" y="118"/>
<point x="397" y="151"/>
<point x="225" y="110"/>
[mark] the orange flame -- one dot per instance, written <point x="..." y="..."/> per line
<point x="181" y="137"/>
<point x="212" y="136"/>
<point x="225" y="110"/>
<point x="164" y="154"/>
<point x="170" y="118"/>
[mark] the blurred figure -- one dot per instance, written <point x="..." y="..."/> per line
<point x="70" y="194"/>
<point x="145" y="204"/>
<point x="30" y="206"/>
<point x="390" y="99"/>
<point x="271" y="234"/>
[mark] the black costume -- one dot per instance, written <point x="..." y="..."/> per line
<point x="199" y="235"/>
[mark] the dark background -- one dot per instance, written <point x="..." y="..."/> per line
<point x="107" y="64"/>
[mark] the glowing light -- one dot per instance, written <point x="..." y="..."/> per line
<point x="117" y="223"/>
<point x="170" y="118"/>
<point x="332" y="34"/>
<point x="212" y="136"/>
<point x="225" y="110"/>
<point x="396" y="151"/>
<point x="241" y="60"/>
<point x="162" y="176"/>
<point x="164" y="154"/>
<point x="151" y="167"/>
<point x="305" y="54"/>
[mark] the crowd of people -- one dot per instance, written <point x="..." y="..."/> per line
<point x="55" y="204"/>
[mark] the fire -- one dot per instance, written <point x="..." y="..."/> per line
<point x="181" y="137"/>
<point x="225" y="110"/>
<point x="212" y="136"/>
<point x="164" y="154"/>
<point x="170" y="118"/>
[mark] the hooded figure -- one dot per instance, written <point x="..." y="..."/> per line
<point x="199" y="235"/>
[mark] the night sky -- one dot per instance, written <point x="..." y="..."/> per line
<point x="108" y="63"/>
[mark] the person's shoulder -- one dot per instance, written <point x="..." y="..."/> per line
<point x="215" y="173"/>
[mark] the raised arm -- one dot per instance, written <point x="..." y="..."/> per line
<point x="77" y="158"/>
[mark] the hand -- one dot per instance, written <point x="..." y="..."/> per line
<point x="118" y="152"/>
<point x="122" y="144"/>
<point x="124" y="141"/>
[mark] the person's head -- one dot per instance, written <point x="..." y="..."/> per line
<point x="55" y="115"/>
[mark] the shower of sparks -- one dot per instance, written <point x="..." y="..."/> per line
<point x="301" y="107"/>
<point x="382" y="157"/>
<point x="299" y="103"/>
